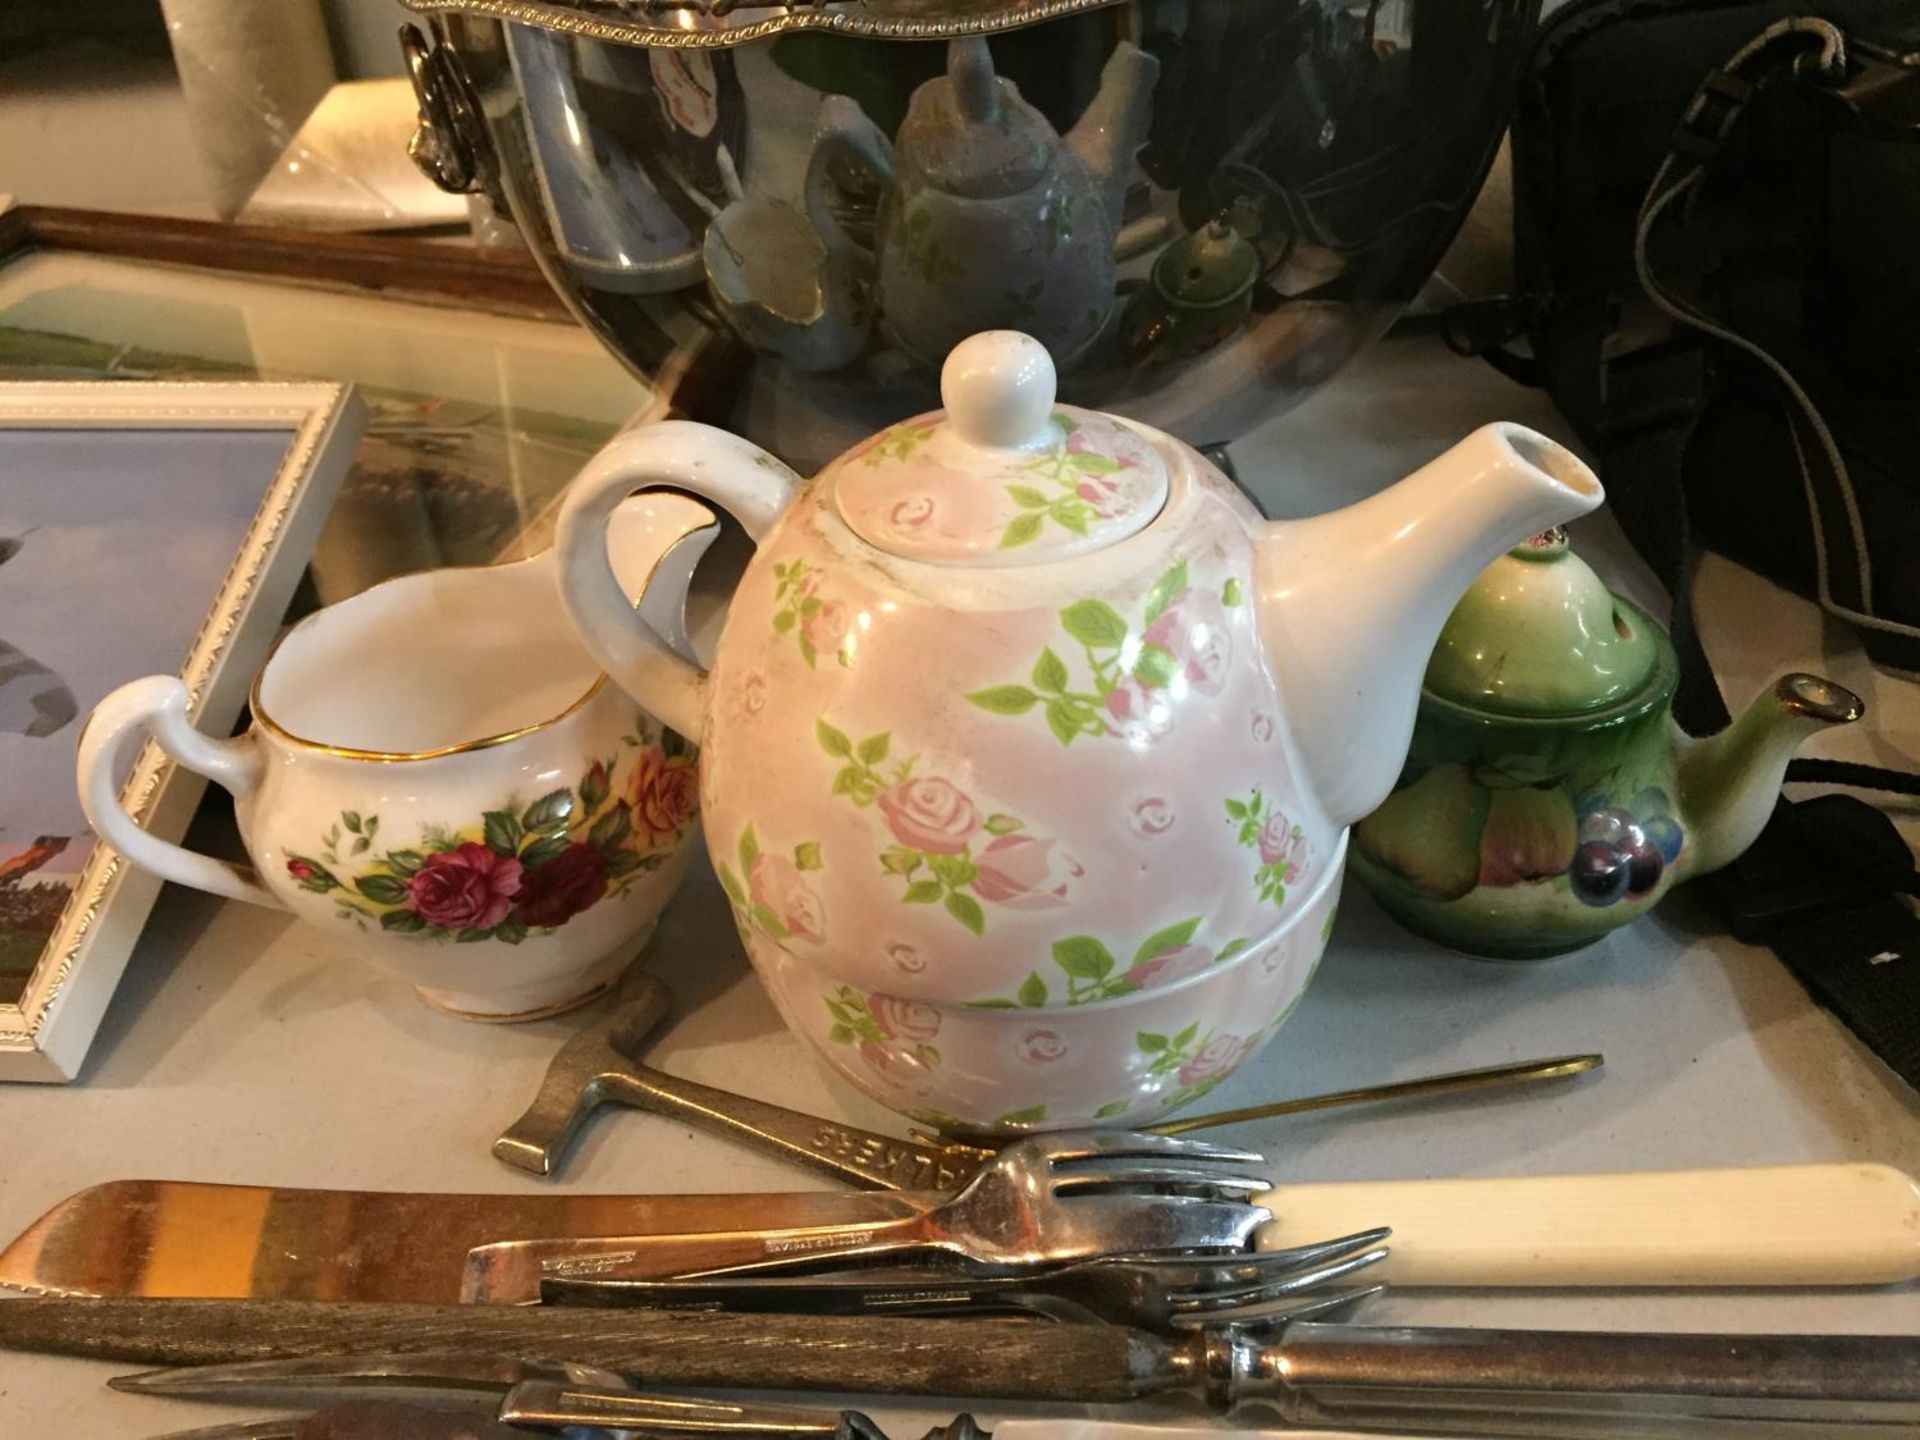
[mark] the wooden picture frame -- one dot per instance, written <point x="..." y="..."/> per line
<point x="46" y="1027"/>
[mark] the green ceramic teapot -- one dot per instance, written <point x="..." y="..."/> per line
<point x="1548" y="796"/>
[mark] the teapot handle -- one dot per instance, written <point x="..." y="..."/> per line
<point x="844" y="134"/>
<point x="697" y="460"/>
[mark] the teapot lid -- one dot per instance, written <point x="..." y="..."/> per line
<point x="1539" y="634"/>
<point x="1003" y="476"/>
<point x="969" y="132"/>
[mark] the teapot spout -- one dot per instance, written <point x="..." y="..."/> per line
<point x="1729" y="782"/>
<point x="1352" y="602"/>
<point x="1113" y="127"/>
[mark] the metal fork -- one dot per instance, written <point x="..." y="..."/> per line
<point x="1169" y="1293"/>
<point x="1048" y="1200"/>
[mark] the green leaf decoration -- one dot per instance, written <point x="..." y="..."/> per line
<point x="834" y="742"/>
<point x="847" y="780"/>
<point x="1095" y="623"/>
<point x="1073" y="514"/>
<point x="1164" y="589"/>
<point x="956" y="870"/>
<point x="730" y="883"/>
<point x="361" y="846"/>
<point x="351" y="819"/>
<point x="1049" y="673"/>
<point x="1237" y="809"/>
<point x="1005" y="699"/>
<point x="1029" y="497"/>
<point x="550" y="809"/>
<point x="1032" y="992"/>
<point x="769" y="922"/>
<point x="967" y="911"/>
<point x="402" y="922"/>
<point x="1004" y="824"/>
<point x="749" y="849"/>
<point x="1230" y="592"/>
<point x="1065" y="719"/>
<point x="1032" y="1115"/>
<point x="840" y="1035"/>
<point x="510" y="931"/>
<point x="924" y="892"/>
<point x="594" y="787"/>
<point x="1095" y="464"/>
<point x="807" y="856"/>
<point x="783" y="621"/>
<point x="502" y="829"/>
<point x="1155" y="667"/>
<point x="625" y="862"/>
<point x="382" y="889"/>
<point x="899" y="860"/>
<point x="1149" y="1042"/>
<point x="1171" y="938"/>
<point x="1110" y="1109"/>
<point x="544" y="851"/>
<point x="874" y="748"/>
<point x="1232" y="948"/>
<point x="1083" y="957"/>
<point x="611" y="828"/>
<point x="807" y="652"/>
<point x="1022" y="529"/>
<point x="1185" y="1037"/>
<point x="1327" y="929"/>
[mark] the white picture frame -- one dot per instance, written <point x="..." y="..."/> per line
<point x="46" y="1028"/>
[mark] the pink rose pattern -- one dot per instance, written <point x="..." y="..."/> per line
<point x="819" y="625"/>
<point x="775" y="897"/>
<point x="1040" y="1047"/>
<point x="912" y="513"/>
<point x="1089" y="971"/>
<point x="1023" y="873"/>
<point x="906" y="958"/>
<point x="1184" y="647"/>
<point x="944" y="850"/>
<point x="520" y="869"/>
<point x="1279" y="843"/>
<point x="1080" y="479"/>
<point x="892" y="1036"/>
<point x="1194" y="1061"/>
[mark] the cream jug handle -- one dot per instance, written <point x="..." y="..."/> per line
<point x="698" y="460"/>
<point x="157" y="706"/>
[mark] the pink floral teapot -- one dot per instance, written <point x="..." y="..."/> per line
<point x="1029" y="749"/>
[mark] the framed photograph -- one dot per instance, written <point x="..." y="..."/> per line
<point x="144" y="527"/>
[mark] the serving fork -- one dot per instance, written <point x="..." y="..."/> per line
<point x="1044" y="1201"/>
<point x="1155" y="1292"/>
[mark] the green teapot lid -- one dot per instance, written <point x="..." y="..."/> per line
<point x="1211" y="266"/>
<point x="1539" y="634"/>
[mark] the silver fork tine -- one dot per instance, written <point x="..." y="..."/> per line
<point x="1235" y="1275"/>
<point x="1173" y="1222"/>
<point x="1072" y="1176"/>
<point x="1178" y="1272"/>
<point x="1087" y="1144"/>
<point x="1266" y="1301"/>
<point x="1311" y="1307"/>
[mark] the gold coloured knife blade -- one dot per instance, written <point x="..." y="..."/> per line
<point x="184" y="1239"/>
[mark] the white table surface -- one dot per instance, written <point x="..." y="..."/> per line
<point x="243" y="1047"/>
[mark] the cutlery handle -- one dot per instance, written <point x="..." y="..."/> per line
<point x="1569" y="1384"/>
<point x="1839" y="1224"/>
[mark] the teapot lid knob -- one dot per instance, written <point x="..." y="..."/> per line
<point x="998" y="387"/>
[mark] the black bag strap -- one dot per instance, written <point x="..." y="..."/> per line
<point x="1821" y="887"/>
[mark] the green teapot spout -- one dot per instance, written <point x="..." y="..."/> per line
<point x="1729" y="782"/>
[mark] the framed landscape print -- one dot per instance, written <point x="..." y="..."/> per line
<point x="144" y="527"/>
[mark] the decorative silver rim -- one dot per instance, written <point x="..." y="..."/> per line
<point x="716" y="24"/>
